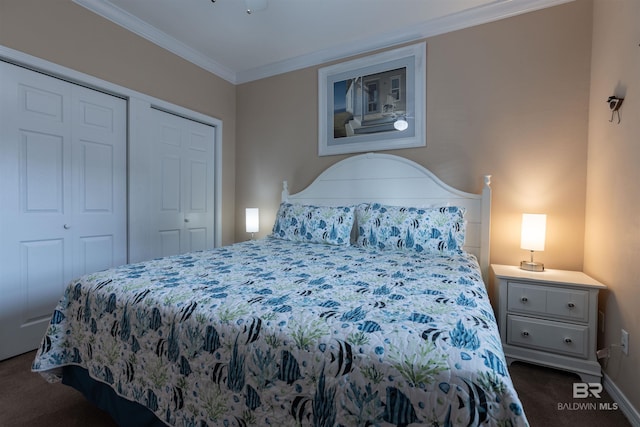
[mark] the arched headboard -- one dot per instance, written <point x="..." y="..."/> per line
<point x="394" y="180"/>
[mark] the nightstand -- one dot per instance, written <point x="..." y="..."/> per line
<point x="548" y="318"/>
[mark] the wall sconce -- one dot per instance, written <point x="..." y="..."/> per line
<point x="615" y="103"/>
<point x="252" y="217"/>
<point x="532" y="237"/>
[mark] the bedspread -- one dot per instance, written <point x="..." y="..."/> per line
<point x="271" y="332"/>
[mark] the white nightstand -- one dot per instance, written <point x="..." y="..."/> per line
<point x="549" y="318"/>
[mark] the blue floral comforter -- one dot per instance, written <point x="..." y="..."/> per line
<point x="272" y="332"/>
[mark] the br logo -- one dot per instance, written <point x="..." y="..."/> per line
<point x="585" y="390"/>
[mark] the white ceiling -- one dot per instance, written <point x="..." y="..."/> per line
<point x="292" y="34"/>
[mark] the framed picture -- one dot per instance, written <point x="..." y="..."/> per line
<point x="373" y="103"/>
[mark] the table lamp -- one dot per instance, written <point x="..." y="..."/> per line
<point x="252" y="216"/>
<point x="532" y="238"/>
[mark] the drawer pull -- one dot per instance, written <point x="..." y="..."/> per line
<point x="568" y="340"/>
<point x="524" y="300"/>
<point x="525" y="333"/>
<point x="571" y="305"/>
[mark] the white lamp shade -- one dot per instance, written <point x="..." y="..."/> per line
<point x="534" y="228"/>
<point x="253" y="220"/>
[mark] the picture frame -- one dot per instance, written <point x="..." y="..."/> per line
<point x="362" y="103"/>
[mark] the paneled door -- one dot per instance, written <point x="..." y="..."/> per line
<point x="182" y="190"/>
<point x="62" y="196"/>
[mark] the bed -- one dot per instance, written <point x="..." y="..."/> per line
<point x="365" y="306"/>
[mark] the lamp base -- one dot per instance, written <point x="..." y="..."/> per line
<point x="531" y="266"/>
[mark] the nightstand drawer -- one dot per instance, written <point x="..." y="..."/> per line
<point x="549" y="318"/>
<point x="562" y="303"/>
<point x="547" y="335"/>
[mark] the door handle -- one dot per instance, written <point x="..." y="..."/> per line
<point x="66" y="226"/>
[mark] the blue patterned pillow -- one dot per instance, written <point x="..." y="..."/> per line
<point x="435" y="230"/>
<point x="316" y="224"/>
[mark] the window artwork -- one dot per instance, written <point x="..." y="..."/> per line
<point x="361" y="102"/>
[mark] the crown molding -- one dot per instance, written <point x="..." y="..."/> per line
<point x="499" y="9"/>
<point x="124" y="19"/>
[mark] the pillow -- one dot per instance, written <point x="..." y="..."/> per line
<point x="435" y="230"/>
<point x="316" y="224"/>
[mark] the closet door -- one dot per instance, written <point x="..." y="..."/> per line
<point x="182" y="189"/>
<point x="99" y="181"/>
<point x="62" y="195"/>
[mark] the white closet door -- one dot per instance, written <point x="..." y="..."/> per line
<point x="182" y="189"/>
<point x="62" y="196"/>
<point x="99" y="179"/>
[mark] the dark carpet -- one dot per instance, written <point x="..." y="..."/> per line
<point x="547" y="398"/>
<point x="26" y="399"/>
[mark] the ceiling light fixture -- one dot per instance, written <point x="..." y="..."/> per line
<point x="255" y="5"/>
<point x="252" y="5"/>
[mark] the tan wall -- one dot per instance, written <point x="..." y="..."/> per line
<point x="67" y="34"/>
<point x="612" y="237"/>
<point x="509" y="98"/>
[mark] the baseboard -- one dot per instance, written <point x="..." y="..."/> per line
<point x="623" y="403"/>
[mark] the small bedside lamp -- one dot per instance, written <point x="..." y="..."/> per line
<point x="534" y="228"/>
<point x="252" y="220"/>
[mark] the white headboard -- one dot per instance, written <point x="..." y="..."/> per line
<point x="394" y="180"/>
